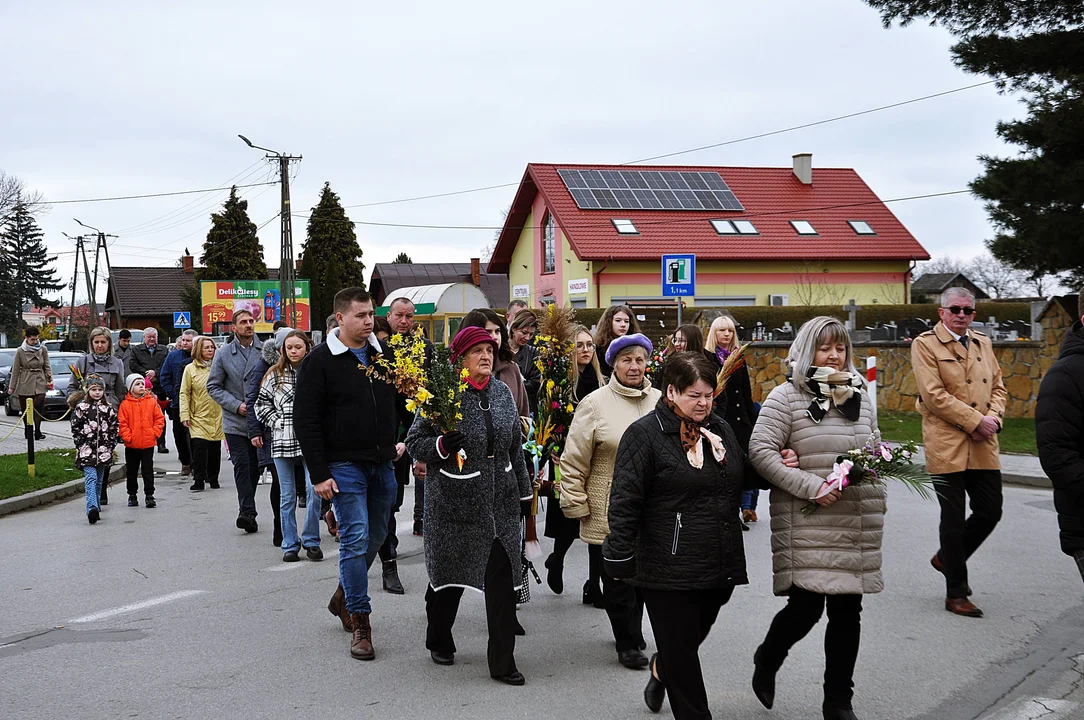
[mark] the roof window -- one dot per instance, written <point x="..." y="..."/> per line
<point x="861" y="227"/>
<point x="625" y="227"/>
<point x="734" y="227"/>
<point x="803" y="227"/>
<point x="745" y="227"/>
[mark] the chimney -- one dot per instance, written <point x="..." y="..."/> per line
<point x="188" y="264"/>
<point x="476" y="271"/>
<point x="803" y="168"/>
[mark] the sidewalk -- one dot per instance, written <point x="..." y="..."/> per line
<point x="1015" y="470"/>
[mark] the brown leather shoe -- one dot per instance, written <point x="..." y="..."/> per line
<point x="361" y="644"/>
<point x="337" y="606"/>
<point x="936" y="562"/>
<point x="962" y="606"/>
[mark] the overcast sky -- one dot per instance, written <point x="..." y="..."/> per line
<point x="114" y="98"/>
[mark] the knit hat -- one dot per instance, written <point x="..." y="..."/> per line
<point x="93" y="380"/>
<point x="280" y="336"/>
<point x="128" y="381"/>
<point x="467" y="338"/>
<point x="625" y="341"/>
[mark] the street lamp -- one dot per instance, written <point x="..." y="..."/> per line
<point x="287" y="271"/>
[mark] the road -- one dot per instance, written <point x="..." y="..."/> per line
<point x="174" y="613"/>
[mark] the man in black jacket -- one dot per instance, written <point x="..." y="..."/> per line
<point x="147" y="360"/>
<point x="1059" y="431"/>
<point x="346" y="423"/>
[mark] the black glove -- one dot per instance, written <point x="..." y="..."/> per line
<point x="451" y="443"/>
<point x="525" y="508"/>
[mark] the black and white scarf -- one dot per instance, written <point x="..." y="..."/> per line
<point x="836" y="388"/>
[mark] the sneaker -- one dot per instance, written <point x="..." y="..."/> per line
<point x="92" y="516"/>
<point x="133" y="501"/>
<point x="314" y="553"/>
<point x="290" y="556"/>
<point x="247" y="523"/>
<point x="150" y="501"/>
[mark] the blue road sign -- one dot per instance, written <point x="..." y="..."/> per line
<point x="182" y="321"/>
<point x="678" y="275"/>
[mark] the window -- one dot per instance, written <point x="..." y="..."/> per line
<point x="734" y="227"/>
<point x="625" y="227"/>
<point x="861" y="227"/>
<point x="802" y="227"/>
<point x="549" y="244"/>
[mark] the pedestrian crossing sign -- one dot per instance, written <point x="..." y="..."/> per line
<point x="182" y="320"/>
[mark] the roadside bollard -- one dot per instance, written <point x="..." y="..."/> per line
<point x="30" y="437"/>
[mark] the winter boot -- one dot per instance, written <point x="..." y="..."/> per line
<point x="361" y="643"/>
<point x="392" y="583"/>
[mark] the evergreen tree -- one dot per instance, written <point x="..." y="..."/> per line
<point x="331" y="256"/>
<point x="232" y="251"/>
<point x="402" y="259"/>
<point x="1036" y="198"/>
<point x="30" y="271"/>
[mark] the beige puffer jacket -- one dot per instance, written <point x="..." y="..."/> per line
<point x="587" y="462"/>
<point x="837" y="549"/>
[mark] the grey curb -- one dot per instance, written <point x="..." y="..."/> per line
<point x="1041" y="481"/>
<point x="52" y="494"/>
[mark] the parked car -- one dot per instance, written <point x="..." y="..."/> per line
<point x="56" y="398"/>
<point x="7" y="357"/>
<point x="137" y="336"/>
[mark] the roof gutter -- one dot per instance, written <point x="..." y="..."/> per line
<point x="598" y="280"/>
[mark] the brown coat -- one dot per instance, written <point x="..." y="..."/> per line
<point x="31" y="373"/>
<point x="957" y="386"/>
<point x="837" y="549"/>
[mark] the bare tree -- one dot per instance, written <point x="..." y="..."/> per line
<point x="942" y="264"/>
<point x="810" y="284"/>
<point x="12" y="191"/>
<point x="995" y="277"/>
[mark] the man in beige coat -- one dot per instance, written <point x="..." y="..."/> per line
<point x="962" y="402"/>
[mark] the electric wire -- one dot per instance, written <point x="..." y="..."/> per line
<point x="151" y="195"/>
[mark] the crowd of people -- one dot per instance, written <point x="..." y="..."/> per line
<point x="659" y="474"/>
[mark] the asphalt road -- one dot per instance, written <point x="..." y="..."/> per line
<point x="174" y="613"/>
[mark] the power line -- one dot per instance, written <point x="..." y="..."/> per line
<point x="735" y="141"/>
<point x="639" y="223"/>
<point x="153" y="195"/>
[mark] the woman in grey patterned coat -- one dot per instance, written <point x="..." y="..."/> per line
<point x="472" y="537"/>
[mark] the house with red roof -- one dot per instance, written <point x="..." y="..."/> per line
<point x="594" y="235"/>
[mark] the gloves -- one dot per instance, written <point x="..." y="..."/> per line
<point x="525" y="508"/>
<point x="451" y="443"/>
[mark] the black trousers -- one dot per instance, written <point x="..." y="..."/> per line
<point x="961" y="538"/>
<point x="388" y="551"/>
<point x="181" y="437"/>
<point x="206" y="461"/>
<point x="625" y="608"/>
<point x="442" y="606"/>
<point x="246" y="472"/>
<point x="841" y="638"/>
<point x="140" y="460"/>
<point x="594" y="567"/>
<point x="681" y="620"/>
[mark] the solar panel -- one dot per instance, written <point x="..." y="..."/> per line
<point x="649" y="190"/>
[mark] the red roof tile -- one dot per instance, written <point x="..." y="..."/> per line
<point x="772" y="197"/>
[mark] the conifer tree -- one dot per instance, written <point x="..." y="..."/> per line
<point x="331" y="256"/>
<point x="232" y="250"/>
<point x="402" y="259"/>
<point x="29" y="272"/>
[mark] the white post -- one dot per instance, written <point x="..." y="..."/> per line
<point x="871" y="378"/>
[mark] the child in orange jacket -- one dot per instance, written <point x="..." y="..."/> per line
<point x="141" y="424"/>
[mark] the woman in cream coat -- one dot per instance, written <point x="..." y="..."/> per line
<point x="832" y="556"/>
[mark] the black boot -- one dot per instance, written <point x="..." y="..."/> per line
<point x="838" y="711"/>
<point x="392" y="583"/>
<point x="763" y="681"/>
<point x="555" y="575"/>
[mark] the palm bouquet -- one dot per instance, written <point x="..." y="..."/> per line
<point x="878" y="463"/>
<point x="734" y="361"/>
<point x="554" y="412"/>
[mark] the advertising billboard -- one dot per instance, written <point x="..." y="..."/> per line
<point x="222" y="298"/>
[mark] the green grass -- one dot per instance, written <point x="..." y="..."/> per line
<point x="1017" y="435"/>
<point x="53" y="467"/>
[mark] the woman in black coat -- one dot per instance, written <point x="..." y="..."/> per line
<point x="673" y="527"/>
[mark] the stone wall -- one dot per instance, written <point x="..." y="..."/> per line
<point x="1022" y="367"/>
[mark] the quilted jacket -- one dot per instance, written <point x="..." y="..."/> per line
<point x="275" y="410"/>
<point x="95" y="433"/>
<point x="141" y="421"/>
<point x="587" y="463"/>
<point x="672" y="526"/>
<point x="196" y="407"/>
<point x="837" y="549"/>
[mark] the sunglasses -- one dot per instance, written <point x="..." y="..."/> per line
<point x="956" y="310"/>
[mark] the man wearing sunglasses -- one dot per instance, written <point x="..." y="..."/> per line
<point x="962" y="402"/>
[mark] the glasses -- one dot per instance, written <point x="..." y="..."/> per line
<point x="956" y="310"/>
<point x="585" y="346"/>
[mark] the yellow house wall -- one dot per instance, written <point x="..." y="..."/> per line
<point x="523" y="255"/>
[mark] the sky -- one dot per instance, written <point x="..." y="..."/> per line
<point x="418" y="98"/>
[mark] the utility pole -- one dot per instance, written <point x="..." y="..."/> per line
<point x="75" y="279"/>
<point x="287" y="267"/>
<point x="101" y="248"/>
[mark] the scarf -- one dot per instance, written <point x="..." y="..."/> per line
<point x="721" y="354"/>
<point x="692" y="437"/>
<point x="833" y="388"/>
<point x="30" y="348"/>
<point x="101" y="359"/>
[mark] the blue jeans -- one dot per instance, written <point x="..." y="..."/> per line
<point x="95" y="479"/>
<point x="310" y="534"/>
<point x="749" y="499"/>
<point x="362" y="507"/>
